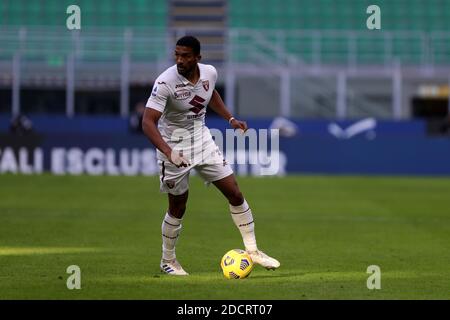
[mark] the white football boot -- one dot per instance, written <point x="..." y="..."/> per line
<point x="264" y="260"/>
<point x="172" y="267"/>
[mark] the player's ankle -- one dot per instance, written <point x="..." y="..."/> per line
<point x="168" y="258"/>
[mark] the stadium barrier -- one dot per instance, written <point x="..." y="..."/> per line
<point x="104" y="146"/>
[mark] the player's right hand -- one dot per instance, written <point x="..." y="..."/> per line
<point x="237" y="124"/>
<point x="178" y="160"/>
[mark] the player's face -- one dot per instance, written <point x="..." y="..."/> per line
<point x="186" y="60"/>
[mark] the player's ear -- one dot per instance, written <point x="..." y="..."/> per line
<point x="199" y="57"/>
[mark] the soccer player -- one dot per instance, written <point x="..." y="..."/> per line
<point x="174" y="121"/>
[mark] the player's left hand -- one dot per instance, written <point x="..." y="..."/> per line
<point x="237" y="124"/>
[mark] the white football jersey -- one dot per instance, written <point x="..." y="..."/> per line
<point x="183" y="106"/>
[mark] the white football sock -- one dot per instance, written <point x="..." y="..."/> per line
<point x="243" y="219"/>
<point x="170" y="228"/>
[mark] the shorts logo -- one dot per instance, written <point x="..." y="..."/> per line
<point x="170" y="184"/>
<point x="205" y="85"/>
<point x="182" y="94"/>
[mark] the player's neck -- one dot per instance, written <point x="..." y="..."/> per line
<point x="194" y="75"/>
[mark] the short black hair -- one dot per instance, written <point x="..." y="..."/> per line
<point x="190" y="42"/>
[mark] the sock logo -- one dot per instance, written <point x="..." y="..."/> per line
<point x="245" y="224"/>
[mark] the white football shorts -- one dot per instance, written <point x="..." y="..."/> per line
<point x="175" y="180"/>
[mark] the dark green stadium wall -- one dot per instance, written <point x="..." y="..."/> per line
<point x="99" y="13"/>
<point x="339" y="14"/>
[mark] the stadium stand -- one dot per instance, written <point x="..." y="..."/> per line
<point x="337" y="27"/>
<point x="313" y="47"/>
<point x="99" y="13"/>
<point x="207" y="19"/>
<point x="343" y="15"/>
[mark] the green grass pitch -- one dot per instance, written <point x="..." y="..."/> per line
<point x="325" y="230"/>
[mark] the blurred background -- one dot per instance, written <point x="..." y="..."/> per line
<point x="345" y="98"/>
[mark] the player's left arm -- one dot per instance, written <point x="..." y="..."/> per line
<point x="216" y="103"/>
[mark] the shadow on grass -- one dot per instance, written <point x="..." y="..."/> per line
<point x="257" y="276"/>
<point x="273" y="274"/>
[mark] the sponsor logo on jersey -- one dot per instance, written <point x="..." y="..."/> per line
<point x="205" y="85"/>
<point x="194" y="116"/>
<point x="182" y="94"/>
<point x="197" y="103"/>
<point x="180" y="85"/>
<point x="161" y="82"/>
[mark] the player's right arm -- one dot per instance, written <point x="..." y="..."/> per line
<point x="150" y="128"/>
<point x="153" y="111"/>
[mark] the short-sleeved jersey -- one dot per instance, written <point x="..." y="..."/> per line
<point x="183" y="106"/>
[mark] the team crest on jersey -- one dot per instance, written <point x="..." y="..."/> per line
<point x="170" y="184"/>
<point x="205" y="85"/>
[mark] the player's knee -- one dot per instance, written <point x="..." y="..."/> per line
<point x="236" y="198"/>
<point x="177" y="205"/>
<point x="178" y="211"/>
